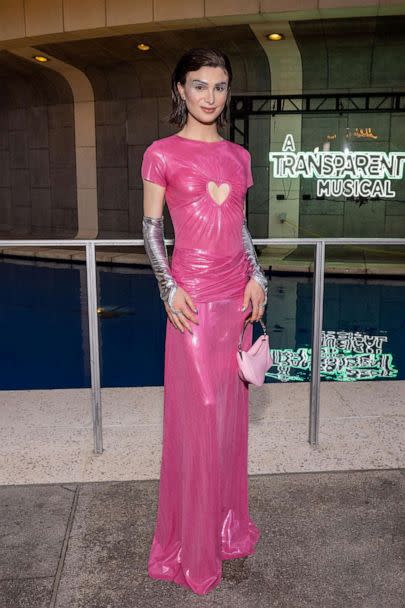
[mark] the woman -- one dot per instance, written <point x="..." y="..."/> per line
<point x="202" y="515"/>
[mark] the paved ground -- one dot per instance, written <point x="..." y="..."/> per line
<point x="331" y="516"/>
<point x="328" y="540"/>
<point x="46" y="436"/>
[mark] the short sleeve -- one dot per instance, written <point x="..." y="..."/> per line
<point x="249" y="178"/>
<point x="154" y="166"/>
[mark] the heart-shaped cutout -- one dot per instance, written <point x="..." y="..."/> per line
<point x="218" y="193"/>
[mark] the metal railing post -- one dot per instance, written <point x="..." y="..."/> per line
<point x="317" y="318"/>
<point x="94" y="346"/>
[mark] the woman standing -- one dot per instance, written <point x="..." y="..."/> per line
<point x="202" y="516"/>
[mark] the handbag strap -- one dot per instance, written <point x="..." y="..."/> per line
<point x="245" y="323"/>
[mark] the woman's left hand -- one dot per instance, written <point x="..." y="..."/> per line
<point x="255" y="293"/>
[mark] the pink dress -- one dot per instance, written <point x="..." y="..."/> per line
<point x="203" y="515"/>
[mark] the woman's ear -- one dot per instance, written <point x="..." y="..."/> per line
<point x="180" y="89"/>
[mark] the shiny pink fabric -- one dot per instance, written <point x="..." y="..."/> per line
<point x="203" y="515"/>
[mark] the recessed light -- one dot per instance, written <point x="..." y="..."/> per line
<point x="143" y="47"/>
<point x="40" y="58"/>
<point x="275" y="36"/>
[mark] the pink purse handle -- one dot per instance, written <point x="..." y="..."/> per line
<point x="246" y="321"/>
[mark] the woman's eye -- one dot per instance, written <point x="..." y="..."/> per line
<point x="200" y="88"/>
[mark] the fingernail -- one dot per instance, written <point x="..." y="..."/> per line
<point x="195" y="310"/>
<point x="243" y="308"/>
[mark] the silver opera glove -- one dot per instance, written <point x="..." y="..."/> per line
<point x="256" y="272"/>
<point x="155" y="246"/>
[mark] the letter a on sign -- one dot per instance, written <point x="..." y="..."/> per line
<point x="288" y="145"/>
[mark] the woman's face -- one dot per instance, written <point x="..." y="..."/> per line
<point x="205" y="93"/>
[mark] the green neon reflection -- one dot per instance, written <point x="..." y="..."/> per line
<point x="345" y="357"/>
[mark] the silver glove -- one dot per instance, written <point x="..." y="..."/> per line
<point x="256" y="272"/>
<point x="155" y="246"/>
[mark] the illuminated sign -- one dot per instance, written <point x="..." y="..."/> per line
<point x="338" y="174"/>
<point x="345" y="356"/>
<point x="367" y="133"/>
<point x="363" y="133"/>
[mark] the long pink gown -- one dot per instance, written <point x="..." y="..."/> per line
<point x="203" y="515"/>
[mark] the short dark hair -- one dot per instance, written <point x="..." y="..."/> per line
<point x="193" y="60"/>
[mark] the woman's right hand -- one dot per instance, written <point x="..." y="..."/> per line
<point x="184" y="304"/>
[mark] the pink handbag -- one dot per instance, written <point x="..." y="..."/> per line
<point x="254" y="363"/>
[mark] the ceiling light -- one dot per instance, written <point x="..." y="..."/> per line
<point x="275" y="36"/>
<point x="40" y="58"/>
<point x="143" y="47"/>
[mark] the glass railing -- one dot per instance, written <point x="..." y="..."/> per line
<point x="317" y="309"/>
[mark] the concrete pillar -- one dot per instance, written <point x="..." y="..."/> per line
<point x="286" y="78"/>
<point x="85" y="140"/>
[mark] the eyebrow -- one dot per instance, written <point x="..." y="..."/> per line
<point x="204" y="82"/>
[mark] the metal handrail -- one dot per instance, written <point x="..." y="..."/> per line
<point x="317" y="309"/>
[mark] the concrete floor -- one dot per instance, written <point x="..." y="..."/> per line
<point x="328" y="540"/>
<point x="46" y="436"/>
<point x="76" y="526"/>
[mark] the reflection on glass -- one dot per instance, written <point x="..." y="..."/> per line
<point x="345" y="356"/>
<point x="363" y="322"/>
